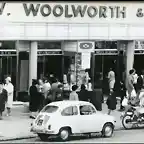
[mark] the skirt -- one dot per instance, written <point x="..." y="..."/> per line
<point x="9" y="102"/>
<point x="111" y="84"/>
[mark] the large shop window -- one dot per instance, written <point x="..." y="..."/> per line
<point x="7" y="44"/>
<point x="8" y="61"/>
<point x="73" y="72"/>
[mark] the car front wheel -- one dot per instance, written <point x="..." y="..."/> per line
<point x="107" y="130"/>
<point x="64" y="134"/>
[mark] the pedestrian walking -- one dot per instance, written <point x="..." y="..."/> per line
<point x="46" y="89"/>
<point x="34" y="99"/>
<point x="135" y="77"/>
<point x="54" y="88"/>
<point x="112" y="101"/>
<point x="111" y="79"/>
<point x="41" y="93"/>
<point x="83" y="94"/>
<point x="3" y="99"/>
<point x="129" y="84"/>
<point x="10" y="90"/>
<point x="122" y="94"/>
<point x="73" y="94"/>
<point x="140" y="86"/>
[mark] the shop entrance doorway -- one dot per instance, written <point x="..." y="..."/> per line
<point x="138" y="65"/>
<point x="103" y="63"/>
<point x="50" y="64"/>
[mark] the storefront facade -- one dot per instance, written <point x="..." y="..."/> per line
<point x="47" y="34"/>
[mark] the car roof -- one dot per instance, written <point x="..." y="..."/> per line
<point x="66" y="103"/>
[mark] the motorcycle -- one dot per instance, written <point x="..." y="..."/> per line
<point x="133" y="117"/>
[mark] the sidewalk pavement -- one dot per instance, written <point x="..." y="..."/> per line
<point x="17" y="126"/>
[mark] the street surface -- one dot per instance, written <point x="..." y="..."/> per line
<point x="123" y="136"/>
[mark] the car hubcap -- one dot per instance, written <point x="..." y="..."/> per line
<point x="64" y="134"/>
<point x="108" y="131"/>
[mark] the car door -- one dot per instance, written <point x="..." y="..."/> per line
<point x="88" y="118"/>
<point x="70" y="117"/>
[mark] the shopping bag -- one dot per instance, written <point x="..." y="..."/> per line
<point x="133" y="93"/>
<point x="125" y="102"/>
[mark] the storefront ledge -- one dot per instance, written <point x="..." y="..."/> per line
<point x="17" y="138"/>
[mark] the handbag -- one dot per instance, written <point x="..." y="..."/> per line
<point x="125" y="102"/>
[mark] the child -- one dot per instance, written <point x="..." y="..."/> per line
<point x="111" y="102"/>
<point x="73" y="94"/>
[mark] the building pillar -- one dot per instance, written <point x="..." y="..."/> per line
<point x="130" y="55"/>
<point x="32" y="62"/>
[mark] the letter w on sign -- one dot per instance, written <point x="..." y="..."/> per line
<point x="30" y="9"/>
<point x="2" y="6"/>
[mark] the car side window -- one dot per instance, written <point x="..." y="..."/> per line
<point x="87" y="110"/>
<point x="69" y="111"/>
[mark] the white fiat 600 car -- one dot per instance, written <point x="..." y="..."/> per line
<point x="65" y="118"/>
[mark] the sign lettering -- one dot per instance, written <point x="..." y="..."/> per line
<point x="42" y="53"/>
<point x="103" y="52"/>
<point x="59" y="10"/>
<point x="75" y="10"/>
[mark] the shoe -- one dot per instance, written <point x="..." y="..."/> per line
<point x="32" y="117"/>
<point x="121" y="110"/>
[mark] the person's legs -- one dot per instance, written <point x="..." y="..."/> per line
<point x="0" y="115"/>
<point x="8" y="111"/>
<point x="122" y="97"/>
<point x="109" y="111"/>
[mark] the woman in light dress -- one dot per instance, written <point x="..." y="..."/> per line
<point x="10" y="90"/>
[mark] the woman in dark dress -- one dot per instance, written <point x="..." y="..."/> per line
<point x="112" y="101"/>
<point x="3" y="99"/>
<point x="34" y="98"/>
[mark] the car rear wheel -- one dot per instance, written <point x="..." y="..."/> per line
<point x="64" y="134"/>
<point x="43" y="137"/>
<point x="107" y="130"/>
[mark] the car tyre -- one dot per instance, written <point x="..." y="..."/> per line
<point x="107" y="130"/>
<point x="43" y="137"/>
<point x="64" y="134"/>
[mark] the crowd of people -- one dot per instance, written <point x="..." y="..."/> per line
<point x="49" y="89"/>
<point x="131" y="88"/>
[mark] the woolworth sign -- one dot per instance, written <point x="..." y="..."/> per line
<point x="86" y="12"/>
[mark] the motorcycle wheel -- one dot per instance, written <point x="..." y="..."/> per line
<point x="127" y="125"/>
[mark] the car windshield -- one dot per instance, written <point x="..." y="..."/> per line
<point x="50" y="109"/>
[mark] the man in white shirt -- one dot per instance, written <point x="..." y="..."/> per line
<point x="46" y="88"/>
<point x="111" y="79"/>
<point x="10" y="89"/>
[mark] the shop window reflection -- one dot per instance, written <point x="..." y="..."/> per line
<point x="139" y="44"/>
<point x="7" y="44"/>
